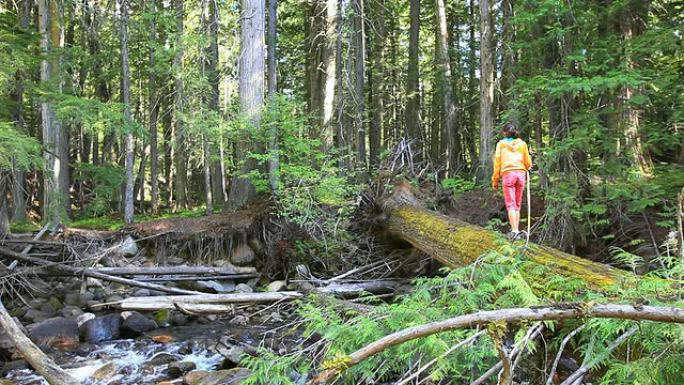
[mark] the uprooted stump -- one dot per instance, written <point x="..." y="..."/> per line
<point x="456" y="243"/>
<point x="225" y="235"/>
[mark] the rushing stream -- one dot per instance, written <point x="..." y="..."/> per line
<point x="144" y="360"/>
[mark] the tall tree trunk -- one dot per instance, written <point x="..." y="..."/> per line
<point x="446" y="82"/>
<point x="509" y="59"/>
<point x="180" y="153"/>
<point x="128" y="119"/>
<point x="315" y="31"/>
<point x="486" y="92"/>
<point x="330" y="65"/>
<point x="206" y="21"/>
<point x="631" y="25"/>
<point x="19" y="175"/>
<point x="153" y="111"/>
<point x="218" y="180"/>
<point x="251" y="94"/>
<point x="54" y="205"/>
<point x="413" y="124"/>
<point x="378" y="83"/>
<point x="359" y="82"/>
<point x="273" y="163"/>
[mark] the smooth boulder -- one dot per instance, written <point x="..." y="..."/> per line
<point x="135" y="324"/>
<point x="55" y="332"/>
<point x="99" y="329"/>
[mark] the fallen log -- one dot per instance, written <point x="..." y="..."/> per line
<point x="456" y="243"/>
<point x="88" y="272"/>
<point x="555" y="312"/>
<point x="172" y="302"/>
<point x="34" y="356"/>
<point x="177" y="270"/>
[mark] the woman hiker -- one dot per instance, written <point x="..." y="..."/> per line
<point x="511" y="162"/>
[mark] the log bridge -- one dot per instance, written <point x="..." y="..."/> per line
<point x="455" y="243"/>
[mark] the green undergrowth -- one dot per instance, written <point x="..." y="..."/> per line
<point x="108" y="223"/>
<point x="492" y="282"/>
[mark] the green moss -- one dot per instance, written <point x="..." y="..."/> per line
<point x="24" y="227"/>
<point x="456" y="243"/>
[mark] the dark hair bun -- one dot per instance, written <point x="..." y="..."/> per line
<point x="510" y="130"/>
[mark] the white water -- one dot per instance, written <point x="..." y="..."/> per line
<point x="130" y="358"/>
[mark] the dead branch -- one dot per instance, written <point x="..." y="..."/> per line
<point x="38" y="360"/>
<point x="545" y="313"/>
<point x="565" y="341"/>
<point x="172" y="302"/>
<point x="73" y="270"/>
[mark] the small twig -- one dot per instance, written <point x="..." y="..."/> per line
<point x="567" y="339"/>
<point x="584" y="369"/>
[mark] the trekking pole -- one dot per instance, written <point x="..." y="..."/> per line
<point x="529" y="209"/>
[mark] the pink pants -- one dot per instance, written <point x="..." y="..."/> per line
<point x="513" y="185"/>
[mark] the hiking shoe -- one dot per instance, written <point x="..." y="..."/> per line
<point x="513" y="235"/>
<point x="523" y="235"/>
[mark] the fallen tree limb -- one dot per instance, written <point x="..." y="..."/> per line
<point x="172" y="302"/>
<point x="173" y="270"/>
<point x="73" y="270"/>
<point x="546" y="313"/>
<point x="34" y="356"/>
<point x="456" y="243"/>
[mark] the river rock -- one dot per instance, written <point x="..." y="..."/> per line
<point x="33" y="315"/>
<point x="178" y="319"/>
<point x="14" y="365"/>
<point x="105" y="371"/>
<point x="59" y="332"/>
<point x="194" y="377"/>
<point x="162" y="358"/>
<point x="225" y="377"/>
<point x="83" y="318"/>
<point x="7" y="348"/>
<point x="243" y="288"/>
<point x="142" y="293"/>
<point x="178" y="368"/>
<point x="104" y="328"/>
<point x="276" y="286"/>
<point x="55" y="304"/>
<point x="71" y="311"/>
<point x="242" y="255"/>
<point x="134" y="324"/>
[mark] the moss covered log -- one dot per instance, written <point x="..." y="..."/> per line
<point x="456" y="243"/>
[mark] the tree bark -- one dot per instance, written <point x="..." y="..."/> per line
<point x="251" y="94"/>
<point x="128" y="119"/>
<point x="180" y="150"/>
<point x="330" y="64"/>
<point x="274" y="162"/>
<point x="413" y="124"/>
<point x="153" y="111"/>
<point x="30" y="352"/>
<point x="486" y="92"/>
<point x="378" y="83"/>
<point x="446" y="86"/>
<point x="55" y="176"/>
<point x="482" y="318"/>
<point x="171" y="302"/>
<point x="359" y="82"/>
<point x="218" y="179"/>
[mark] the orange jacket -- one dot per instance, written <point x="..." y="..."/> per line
<point x="510" y="155"/>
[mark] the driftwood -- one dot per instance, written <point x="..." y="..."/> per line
<point x="174" y="302"/>
<point x="547" y="313"/>
<point x="34" y="356"/>
<point x="456" y="243"/>
<point x="175" y="270"/>
<point x="73" y="270"/>
<point x="188" y="301"/>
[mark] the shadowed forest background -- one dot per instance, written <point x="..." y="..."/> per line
<point x="274" y="131"/>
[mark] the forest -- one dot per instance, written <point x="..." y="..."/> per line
<point x="292" y="192"/>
